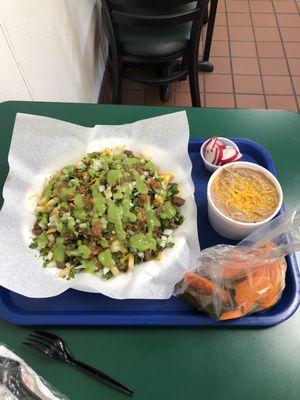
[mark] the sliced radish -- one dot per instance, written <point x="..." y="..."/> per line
<point x="218" y="156"/>
<point x="210" y="155"/>
<point x="239" y="156"/>
<point x="217" y="153"/>
<point x="221" y="155"/>
<point x="220" y="143"/>
<point x="229" y="155"/>
<point x="210" y="150"/>
<point x="211" y="143"/>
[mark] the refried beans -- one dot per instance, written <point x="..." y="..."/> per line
<point x="244" y="195"/>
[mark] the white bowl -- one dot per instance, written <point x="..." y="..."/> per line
<point x="212" y="167"/>
<point x="228" y="227"/>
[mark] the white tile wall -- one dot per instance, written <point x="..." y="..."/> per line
<point x="51" y="50"/>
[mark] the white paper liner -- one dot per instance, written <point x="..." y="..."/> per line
<point x="42" y="145"/>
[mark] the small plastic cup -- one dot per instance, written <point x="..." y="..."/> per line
<point x="212" y="167"/>
<point x="227" y="227"/>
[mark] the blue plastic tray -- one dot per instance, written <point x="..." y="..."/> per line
<point x="79" y="308"/>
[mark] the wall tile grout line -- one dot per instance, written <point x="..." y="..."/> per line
<point x="252" y="94"/>
<point x="258" y="58"/>
<point x="286" y="58"/>
<point x="230" y="55"/>
<point x="258" y="41"/>
<point x="226" y="56"/>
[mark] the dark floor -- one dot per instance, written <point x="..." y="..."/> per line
<point x="256" y="54"/>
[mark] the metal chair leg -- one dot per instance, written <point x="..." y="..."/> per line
<point x="206" y="16"/>
<point x="194" y="83"/>
<point x="164" y="89"/>
<point x="164" y="92"/>
<point x="205" y="65"/>
<point x="115" y="71"/>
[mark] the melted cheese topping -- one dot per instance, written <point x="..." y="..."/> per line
<point x="244" y="195"/>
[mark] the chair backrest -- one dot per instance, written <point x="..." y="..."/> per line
<point x="163" y="4"/>
<point x="121" y="12"/>
<point x="153" y="14"/>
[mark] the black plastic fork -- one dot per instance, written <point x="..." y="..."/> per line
<point x="54" y="347"/>
<point x="11" y="377"/>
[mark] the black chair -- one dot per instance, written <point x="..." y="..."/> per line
<point x="158" y="33"/>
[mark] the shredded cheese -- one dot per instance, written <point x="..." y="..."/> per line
<point x="244" y="194"/>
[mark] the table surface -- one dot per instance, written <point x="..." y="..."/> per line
<point x="177" y="363"/>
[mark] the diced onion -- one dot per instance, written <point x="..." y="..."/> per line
<point x="115" y="247"/>
<point x="141" y="254"/>
<point x="108" y="193"/>
<point x="66" y="216"/>
<point x="105" y="270"/>
<point x="96" y="165"/>
<point x="168" y="232"/>
<point x="52" y="264"/>
<point x="79" y="267"/>
<point x="101" y="188"/>
<point x="52" y="219"/>
<point x="49" y="256"/>
<point x="81" y="166"/>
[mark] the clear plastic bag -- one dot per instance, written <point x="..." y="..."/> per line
<point x="232" y="281"/>
<point x="19" y="381"/>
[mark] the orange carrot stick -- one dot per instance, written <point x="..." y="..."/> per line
<point x="231" y="314"/>
<point x="203" y="285"/>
